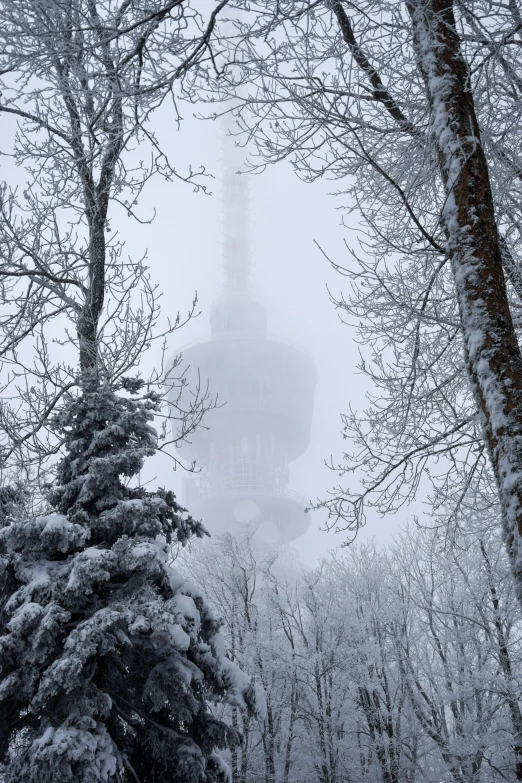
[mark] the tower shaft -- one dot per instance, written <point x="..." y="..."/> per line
<point x="266" y="390"/>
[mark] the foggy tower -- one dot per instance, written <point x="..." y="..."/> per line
<point x="266" y="390"/>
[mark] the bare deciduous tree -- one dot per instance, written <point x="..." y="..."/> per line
<point x="404" y="663"/>
<point x="82" y="80"/>
<point x="414" y="108"/>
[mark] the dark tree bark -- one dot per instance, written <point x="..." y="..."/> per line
<point x="491" y="348"/>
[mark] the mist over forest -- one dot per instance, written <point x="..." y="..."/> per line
<point x="260" y="391"/>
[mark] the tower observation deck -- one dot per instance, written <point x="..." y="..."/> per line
<point x="265" y="390"/>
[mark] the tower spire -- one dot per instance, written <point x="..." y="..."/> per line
<point x="236" y="215"/>
<point x="235" y="310"/>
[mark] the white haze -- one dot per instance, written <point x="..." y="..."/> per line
<point x="290" y="276"/>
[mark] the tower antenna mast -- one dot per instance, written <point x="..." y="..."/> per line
<point x="245" y="448"/>
<point x="235" y="214"/>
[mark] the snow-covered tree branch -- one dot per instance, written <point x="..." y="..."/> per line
<point x="413" y="109"/>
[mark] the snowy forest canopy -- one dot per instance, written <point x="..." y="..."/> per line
<point x="126" y="655"/>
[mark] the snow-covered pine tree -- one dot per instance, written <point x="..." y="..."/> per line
<point x="109" y="660"/>
<point x="14" y="499"/>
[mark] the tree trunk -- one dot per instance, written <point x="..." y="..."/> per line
<point x="245" y="750"/>
<point x="235" y="752"/>
<point x="507" y="668"/>
<point x="87" y="325"/>
<point x="268" y="743"/>
<point x="491" y="349"/>
<point x="290" y="738"/>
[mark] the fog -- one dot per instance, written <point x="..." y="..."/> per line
<point x="291" y="277"/>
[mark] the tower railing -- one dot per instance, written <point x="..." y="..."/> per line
<point x="195" y="492"/>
